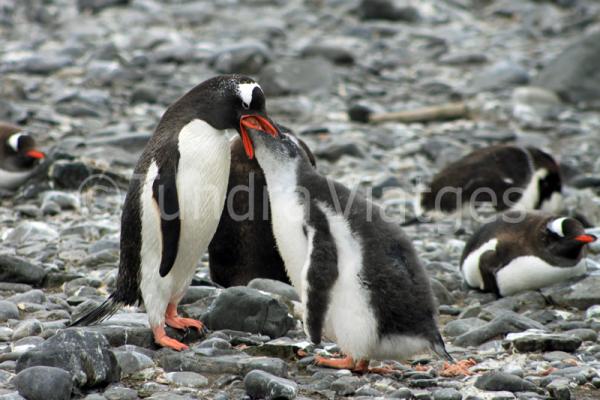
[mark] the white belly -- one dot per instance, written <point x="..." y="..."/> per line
<point x="202" y="178"/>
<point x="12" y="179"/>
<point x="350" y="320"/>
<point x="470" y="267"/>
<point x="529" y="272"/>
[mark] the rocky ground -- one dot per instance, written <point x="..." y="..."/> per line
<point x="90" y="78"/>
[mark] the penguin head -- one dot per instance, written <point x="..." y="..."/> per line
<point x="282" y="149"/>
<point x="227" y="102"/>
<point x="22" y="147"/>
<point x="565" y="238"/>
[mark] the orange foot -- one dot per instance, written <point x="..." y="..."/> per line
<point x="174" y="321"/>
<point x="161" y="339"/>
<point x="460" y="368"/>
<point x="361" y="367"/>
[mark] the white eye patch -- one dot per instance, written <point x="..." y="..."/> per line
<point x="13" y="141"/>
<point x="245" y="92"/>
<point x="556" y="226"/>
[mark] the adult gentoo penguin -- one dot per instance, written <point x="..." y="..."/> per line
<point x="524" y="251"/>
<point x="172" y="210"/>
<point x="243" y="247"/>
<point x="358" y="276"/>
<point x="18" y="156"/>
<point x="505" y="176"/>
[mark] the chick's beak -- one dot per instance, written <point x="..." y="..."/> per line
<point x="38" y="155"/>
<point x="256" y="122"/>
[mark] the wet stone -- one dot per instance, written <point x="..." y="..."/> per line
<point x="8" y="310"/>
<point x="346" y="385"/>
<point x="539" y="341"/>
<point x="262" y="385"/>
<point x="498" y="381"/>
<point x="34" y="383"/>
<point x="187" y="379"/>
<point x="120" y="393"/>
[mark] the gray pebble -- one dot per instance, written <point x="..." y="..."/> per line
<point x="262" y="385"/>
<point x="34" y="383"/>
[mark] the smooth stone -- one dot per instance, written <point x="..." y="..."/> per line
<point x="131" y="362"/>
<point x="346" y="385"/>
<point x="44" y="383"/>
<point x="245" y="309"/>
<point x="120" y="393"/>
<point x="447" y="394"/>
<point x="540" y="341"/>
<point x="26" y="232"/>
<point x="99" y="5"/>
<point x="8" y="310"/>
<point x="500" y="75"/>
<point x="388" y="10"/>
<point x="574" y="73"/>
<point x="499" y="381"/>
<point x="29" y="327"/>
<point x="580" y="294"/>
<point x="262" y="385"/>
<point x="559" y="389"/>
<point x="35" y="296"/>
<point x="458" y="327"/>
<point x="19" y="270"/>
<point x="505" y="323"/>
<point x="230" y="364"/>
<point x="188" y="379"/>
<point x="442" y="295"/>
<point x="66" y="201"/>
<point x="335" y="150"/>
<point x="275" y="287"/>
<point x="247" y="58"/>
<point x="86" y="355"/>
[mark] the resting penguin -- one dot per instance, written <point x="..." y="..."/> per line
<point x="243" y="248"/>
<point x="172" y="210"/>
<point x="506" y="176"/>
<point x="520" y="251"/>
<point x="18" y="156"/>
<point x="358" y="276"/>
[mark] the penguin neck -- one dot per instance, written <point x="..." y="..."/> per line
<point x="281" y="174"/>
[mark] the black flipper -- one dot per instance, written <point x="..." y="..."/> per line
<point x="488" y="266"/>
<point x="164" y="192"/>
<point x="98" y="314"/>
<point x="321" y="276"/>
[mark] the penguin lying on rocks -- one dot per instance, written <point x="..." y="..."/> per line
<point x="358" y="276"/>
<point x="243" y="248"/>
<point x="18" y="156"/>
<point x="504" y="176"/>
<point x="524" y="251"/>
<point x="173" y="207"/>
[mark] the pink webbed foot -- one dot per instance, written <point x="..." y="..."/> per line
<point x="174" y="321"/>
<point x="161" y="339"/>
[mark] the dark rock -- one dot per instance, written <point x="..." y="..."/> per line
<point x="284" y="77"/>
<point x="359" y="113"/>
<point x="69" y="174"/>
<point x="463" y="58"/>
<point x="585" y="334"/>
<point x="42" y="64"/>
<point x="99" y="5"/>
<point x="18" y="270"/>
<point x="86" y="355"/>
<point x="505" y="323"/>
<point x="44" y="383"/>
<point x="575" y="73"/>
<point x="8" y="310"/>
<point x="498" y="381"/>
<point x="388" y="10"/>
<point x="529" y="342"/>
<point x="499" y="76"/>
<point x="275" y="287"/>
<point x="331" y="50"/>
<point x="335" y="150"/>
<point x="131" y="362"/>
<point x="247" y="58"/>
<point x="582" y="294"/>
<point x="248" y="310"/>
<point x="262" y="385"/>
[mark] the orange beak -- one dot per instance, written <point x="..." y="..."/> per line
<point x="38" y="155"/>
<point x="256" y="122"/>
<point x="585" y="238"/>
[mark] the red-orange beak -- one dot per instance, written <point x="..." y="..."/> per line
<point x="256" y="122"/>
<point x="38" y="155"/>
<point x="585" y="238"/>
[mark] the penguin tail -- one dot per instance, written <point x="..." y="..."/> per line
<point x="439" y="347"/>
<point x="105" y="310"/>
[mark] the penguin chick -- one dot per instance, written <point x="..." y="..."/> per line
<point x="18" y="156"/>
<point x="175" y="200"/>
<point x="243" y="248"/>
<point x="358" y="275"/>
<point x="524" y="251"/>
